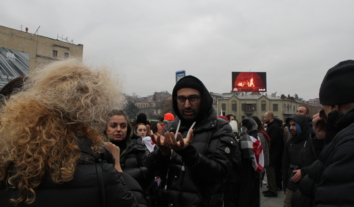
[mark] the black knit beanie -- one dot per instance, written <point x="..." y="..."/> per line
<point x="337" y="84"/>
<point x="141" y="119"/>
<point x="188" y="82"/>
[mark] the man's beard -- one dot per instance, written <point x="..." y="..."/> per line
<point x="189" y="117"/>
<point x="293" y="132"/>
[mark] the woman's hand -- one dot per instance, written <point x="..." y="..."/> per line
<point x="116" y="154"/>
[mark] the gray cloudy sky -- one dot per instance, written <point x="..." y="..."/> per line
<point x="146" y="42"/>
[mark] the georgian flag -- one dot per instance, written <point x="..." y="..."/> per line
<point x="258" y="161"/>
<point x="149" y="143"/>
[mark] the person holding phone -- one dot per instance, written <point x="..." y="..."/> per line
<point x="330" y="178"/>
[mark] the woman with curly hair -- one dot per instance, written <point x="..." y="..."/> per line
<point x="52" y="151"/>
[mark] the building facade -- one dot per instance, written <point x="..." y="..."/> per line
<point x="154" y="105"/>
<point x="152" y="109"/>
<point x="243" y="105"/>
<point x="31" y="51"/>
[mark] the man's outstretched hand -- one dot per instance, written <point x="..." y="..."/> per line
<point x="168" y="142"/>
<point x="182" y="143"/>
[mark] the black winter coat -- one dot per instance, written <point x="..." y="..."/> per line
<point x="298" y="151"/>
<point x="276" y="142"/>
<point x="133" y="158"/>
<point x="197" y="174"/>
<point x="84" y="190"/>
<point x="330" y="178"/>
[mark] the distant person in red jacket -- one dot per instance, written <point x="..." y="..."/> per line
<point x="167" y="118"/>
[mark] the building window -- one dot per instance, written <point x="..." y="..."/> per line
<point x="275" y="107"/>
<point x="55" y="53"/>
<point x="66" y="55"/>
<point x="249" y="107"/>
<point x="263" y="105"/>
<point x="233" y="106"/>
<point x="223" y="107"/>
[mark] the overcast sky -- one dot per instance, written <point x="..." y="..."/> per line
<point x="146" y="42"/>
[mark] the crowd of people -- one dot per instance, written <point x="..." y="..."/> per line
<point x="64" y="141"/>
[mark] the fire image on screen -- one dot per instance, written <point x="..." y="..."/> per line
<point x="249" y="82"/>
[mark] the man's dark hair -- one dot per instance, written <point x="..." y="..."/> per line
<point x="229" y="115"/>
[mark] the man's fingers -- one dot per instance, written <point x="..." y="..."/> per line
<point x="159" y="129"/>
<point x="158" y="140"/>
<point x="148" y="131"/>
<point x="153" y="138"/>
<point x="172" y="140"/>
<point x="189" y="139"/>
<point x="169" y="136"/>
<point x="180" y="142"/>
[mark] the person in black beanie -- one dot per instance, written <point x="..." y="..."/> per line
<point x="141" y="118"/>
<point x="195" y="166"/>
<point x="330" y="178"/>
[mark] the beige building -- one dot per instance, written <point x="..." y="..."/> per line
<point x="41" y="50"/>
<point x="244" y="105"/>
<point x="152" y="109"/>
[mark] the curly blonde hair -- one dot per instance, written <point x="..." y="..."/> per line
<point x="41" y="123"/>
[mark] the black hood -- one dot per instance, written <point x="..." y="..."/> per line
<point x="278" y="121"/>
<point x="206" y="101"/>
<point x="251" y="125"/>
<point x="303" y="122"/>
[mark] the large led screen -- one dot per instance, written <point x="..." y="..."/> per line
<point x="249" y="82"/>
<point x="13" y="64"/>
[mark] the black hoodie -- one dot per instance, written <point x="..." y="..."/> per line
<point x="206" y="106"/>
<point x="198" y="174"/>
<point x="298" y="151"/>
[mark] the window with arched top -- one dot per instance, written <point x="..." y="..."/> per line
<point x="263" y="105"/>
<point x="233" y="106"/>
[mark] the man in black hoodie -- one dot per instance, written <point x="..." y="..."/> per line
<point x="298" y="155"/>
<point x="195" y="165"/>
<point x="330" y="178"/>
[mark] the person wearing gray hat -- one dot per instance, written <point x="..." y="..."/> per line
<point x="330" y="178"/>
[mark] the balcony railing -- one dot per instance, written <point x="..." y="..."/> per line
<point x="249" y="111"/>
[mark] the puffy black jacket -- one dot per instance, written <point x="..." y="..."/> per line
<point x="119" y="189"/>
<point x="298" y="152"/>
<point x="196" y="175"/>
<point x="276" y="142"/>
<point x="330" y="178"/>
<point x="133" y="158"/>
